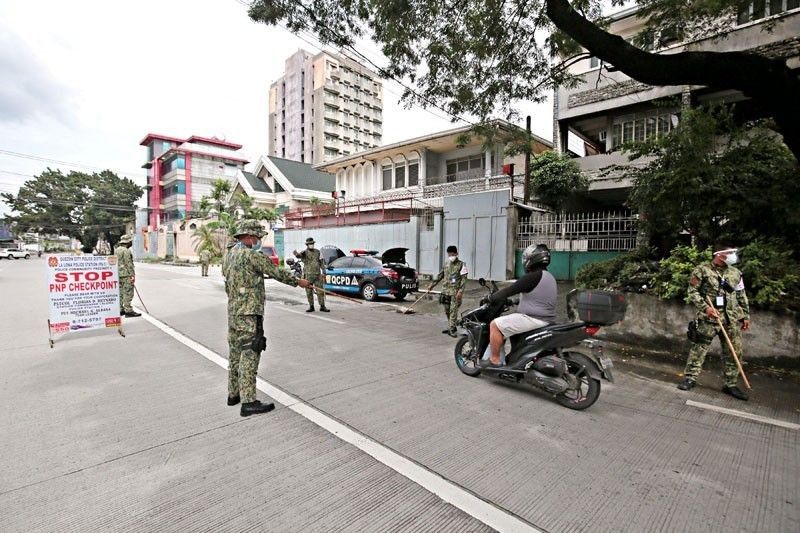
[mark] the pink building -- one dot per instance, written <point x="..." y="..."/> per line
<point x="181" y="171"/>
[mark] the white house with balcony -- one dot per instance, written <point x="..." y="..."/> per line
<point x="607" y="108"/>
<point x="411" y="166"/>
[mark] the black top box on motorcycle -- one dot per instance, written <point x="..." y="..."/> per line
<point x="602" y="308"/>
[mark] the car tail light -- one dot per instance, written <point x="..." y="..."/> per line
<point x="389" y="273"/>
<point x="591" y="330"/>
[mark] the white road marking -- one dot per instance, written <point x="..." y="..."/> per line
<point x="742" y="414"/>
<point x="455" y="495"/>
<point x="307" y="315"/>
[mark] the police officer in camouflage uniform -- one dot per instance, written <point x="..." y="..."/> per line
<point x="244" y="271"/>
<point x="127" y="275"/>
<point x="205" y="259"/>
<point x="312" y="271"/>
<point x="721" y="284"/>
<point x="454" y="275"/>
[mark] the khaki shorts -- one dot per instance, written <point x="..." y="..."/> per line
<point x="516" y="323"/>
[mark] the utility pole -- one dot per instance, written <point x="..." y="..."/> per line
<point x="526" y="188"/>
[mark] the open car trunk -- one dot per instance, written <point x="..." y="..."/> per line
<point x="395" y="258"/>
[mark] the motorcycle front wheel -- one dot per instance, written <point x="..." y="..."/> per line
<point x="466" y="361"/>
<point x="584" y="390"/>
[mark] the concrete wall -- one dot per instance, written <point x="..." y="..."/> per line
<point x="661" y="325"/>
<point x="431" y="250"/>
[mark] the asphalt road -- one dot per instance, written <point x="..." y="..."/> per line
<point x="377" y="430"/>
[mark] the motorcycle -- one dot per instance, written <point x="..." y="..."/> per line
<point x="296" y="267"/>
<point x="547" y="358"/>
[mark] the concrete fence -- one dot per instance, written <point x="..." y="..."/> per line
<point x="660" y="325"/>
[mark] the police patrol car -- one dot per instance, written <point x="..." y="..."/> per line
<point x="369" y="274"/>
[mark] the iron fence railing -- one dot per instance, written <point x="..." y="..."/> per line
<point x="597" y="231"/>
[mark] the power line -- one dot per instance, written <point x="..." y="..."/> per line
<point x="60" y="162"/>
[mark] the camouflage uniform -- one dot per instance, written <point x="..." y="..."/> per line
<point x="126" y="274"/>
<point x="312" y="271"/>
<point x="244" y="271"/>
<point x="455" y="278"/>
<point x="706" y="284"/>
<point x="205" y="259"/>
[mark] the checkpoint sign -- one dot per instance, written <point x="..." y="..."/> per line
<point x="84" y="292"/>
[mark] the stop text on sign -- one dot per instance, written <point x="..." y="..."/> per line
<point x="83" y="281"/>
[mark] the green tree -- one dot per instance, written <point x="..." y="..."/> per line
<point x="555" y="178"/>
<point x="717" y="180"/>
<point x="481" y="57"/>
<point x="77" y="204"/>
<point x="206" y="238"/>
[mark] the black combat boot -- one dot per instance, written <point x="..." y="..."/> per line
<point x="736" y="392"/>
<point x="686" y="384"/>
<point x="324" y="309"/>
<point x="233" y="400"/>
<point x="310" y="309"/>
<point x="446" y="331"/>
<point x="132" y="314"/>
<point x="256" y="408"/>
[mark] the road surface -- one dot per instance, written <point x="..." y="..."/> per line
<point x="375" y="430"/>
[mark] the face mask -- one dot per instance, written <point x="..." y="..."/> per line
<point x="452" y="258"/>
<point x="257" y="246"/>
<point x="731" y="259"/>
<point x="310" y="246"/>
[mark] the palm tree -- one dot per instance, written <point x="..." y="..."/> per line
<point x="219" y="194"/>
<point x="205" y="238"/>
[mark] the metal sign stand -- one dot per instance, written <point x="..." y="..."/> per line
<point x="52" y="341"/>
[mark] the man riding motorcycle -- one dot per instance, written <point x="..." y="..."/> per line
<point x="537" y="305"/>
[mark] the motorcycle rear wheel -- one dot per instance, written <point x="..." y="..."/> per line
<point x="588" y="389"/>
<point x="465" y="360"/>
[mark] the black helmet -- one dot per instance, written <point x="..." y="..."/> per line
<point x="290" y="261"/>
<point x="535" y="256"/>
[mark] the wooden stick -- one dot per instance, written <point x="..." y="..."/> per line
<point x="409" y="309"/>
<point x="730" y="345"/>
<point x="336" y="295"/>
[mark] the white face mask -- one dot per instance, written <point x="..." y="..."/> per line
<point x="452" y="258"/>
<point x="310" y="246"/>
<point x="732" y="258"/>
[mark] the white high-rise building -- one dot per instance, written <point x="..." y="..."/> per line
<point x="324" y="106"/>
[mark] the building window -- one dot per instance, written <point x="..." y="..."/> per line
<point x="387" y="177"/>
<point x="413" y="174"/>
<point x="641" y="126"/>
<point x="594" y="62"/>
<point x="760" y="9"/>
<point x="176" y="188"/>
<point x="400" y="177"/>
<point x="465" y="168"/>
<point x="171" y="163"/>
<point x="278" y="187"/>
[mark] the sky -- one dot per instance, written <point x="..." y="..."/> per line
<point x="84" y="81"/>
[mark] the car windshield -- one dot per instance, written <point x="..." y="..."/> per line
<point x="268" y="250"/>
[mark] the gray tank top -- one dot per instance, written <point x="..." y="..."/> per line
<point x="541" y="301"/>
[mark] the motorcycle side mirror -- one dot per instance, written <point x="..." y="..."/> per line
<point x="482" y="282"/>
<point x="494" y="286"/>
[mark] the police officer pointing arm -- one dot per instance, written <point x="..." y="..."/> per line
<point x="244" y="271"/>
